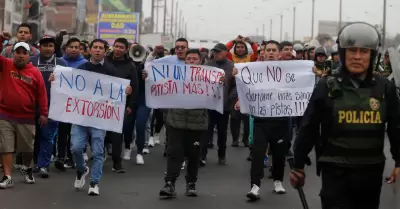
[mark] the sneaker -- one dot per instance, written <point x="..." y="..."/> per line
<point x="69" y="163"/>
<point x="27" y="173"/>
<point x="168" y="191"/>
<point x="44" y="173"/>
<point x="117" y="168"/>
<point x="278" y="188"/>
<point x="203" y="163"/>
<point x="156" y="139"/>
<point x="6" y="182"/>
<point x="151" y="141"/>
<point x="133" y="145"/>
<point x="146" y="150"/>
<point x="85" y="157"/>
<point x="93" y="189"/>
<point x="139" y="159"/>
<point x="254" y="193"/>
<point x="60" y="164"/>
<point x="222" y="161"/>
<point x="191" y="190"/>
<point x="80" y="178"/>
<point x="183" y="165"/>
<point x="127" y="154"/>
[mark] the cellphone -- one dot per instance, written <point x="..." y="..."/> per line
<point x="328" y="64"/>
<point x="5" y="42"/>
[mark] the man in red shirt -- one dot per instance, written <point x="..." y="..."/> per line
<point x="22" y="93"/>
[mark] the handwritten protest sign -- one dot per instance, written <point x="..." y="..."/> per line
<point x="184" y="86"/>
<point x="275" y="88"/>
<point x="88" y="99"/>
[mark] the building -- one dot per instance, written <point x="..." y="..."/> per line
<point x="12" y="12"/>
<point x="330" y="27"/>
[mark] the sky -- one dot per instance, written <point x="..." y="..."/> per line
<point x="225" y="19"/>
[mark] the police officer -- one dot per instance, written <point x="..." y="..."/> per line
<point x="335" y="59"/>
<point x="351" y="109"/>
<point x="299" y="51"/>
<point x="319" y="60"/>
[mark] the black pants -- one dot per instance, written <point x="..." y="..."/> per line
<point x="157" y="122"/>
<point x="235" y="121"/>
<point x="63" y="140"/>
<point x="273" y="133"/>
<point x="351" y="188"/>
<point x="183" y="143"/>
<point x="221" y="121"/>
<point x="116" y="140"/>
<point x="127" y="130"/>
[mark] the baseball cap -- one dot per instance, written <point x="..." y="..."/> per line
<point x="220" y="47"/>
<point x="22" y="44"/>
<point x="47" y="38"/>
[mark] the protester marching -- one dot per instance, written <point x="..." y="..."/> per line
<point x="81" y="111"/>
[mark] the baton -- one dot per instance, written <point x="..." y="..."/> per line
<point x="300" y="190"/>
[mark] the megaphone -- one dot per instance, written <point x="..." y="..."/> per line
<point x="137" y="53"/>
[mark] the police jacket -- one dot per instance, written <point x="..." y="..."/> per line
<point x="350" y="122"/>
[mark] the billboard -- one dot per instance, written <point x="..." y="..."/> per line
<point x="113" y="25"/>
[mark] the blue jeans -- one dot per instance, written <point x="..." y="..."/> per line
<point x="79" y="137"/>
<point x="142" y="116"/>
<point x="46" y="135"/>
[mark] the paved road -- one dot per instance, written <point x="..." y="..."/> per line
<point x="219" y="187"/>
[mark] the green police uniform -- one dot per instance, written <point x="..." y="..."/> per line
<point x="359" y="117"/>
<point x="351" y="112"/>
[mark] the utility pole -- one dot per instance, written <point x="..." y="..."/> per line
<point x="312" y="19"/>
<point x="176" y="21"/>
<point x="152" y="14"/>
<point x="165" y="18"/>
<point x="180" y="23"/>
<point x="270" y="29"/>
<point x="294" y="24"/>
<point x="281" y="27"/>
<point x="157" y="17"/>
<point x="384" y="24"/>
<point x="263" y="31"/>
<point x="340" y="15"/>
<point x="172" y="18"/>
<point x="185" y="29"/>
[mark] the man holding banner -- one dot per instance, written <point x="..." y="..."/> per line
<point x="86" y="109"/>
<point x="272" y="92"/>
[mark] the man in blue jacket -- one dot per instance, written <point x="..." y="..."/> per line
<point x="46" y="62"/>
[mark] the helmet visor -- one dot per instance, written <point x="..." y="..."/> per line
<point x="359" y="35"/>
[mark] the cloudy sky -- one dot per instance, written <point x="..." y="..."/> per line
<point x="225" y="19"/>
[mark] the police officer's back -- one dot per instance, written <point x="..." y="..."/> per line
<point x="352" y="109"/>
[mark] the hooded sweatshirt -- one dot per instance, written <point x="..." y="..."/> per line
<point x="20" y="92"/>
<point x="47" y="67"/>
<point x="246" y="58"/>
<point x="127" y="70"/>
<point x="74" y="62"/>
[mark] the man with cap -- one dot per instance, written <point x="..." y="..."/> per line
<point x="215" y="118"/>
<point x="46" y="62"/>
<point x="22" y="89"/>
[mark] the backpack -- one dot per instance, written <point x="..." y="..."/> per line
<point x="9" y="49"/>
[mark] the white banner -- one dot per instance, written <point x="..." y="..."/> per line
<point x="88" y="99"/>
<point x="184" y="86"/>
<point x="274" y="88"/>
